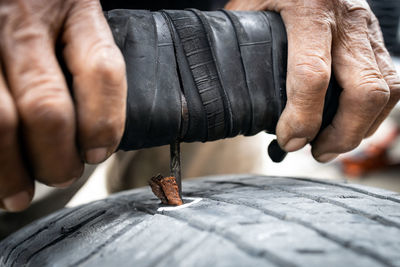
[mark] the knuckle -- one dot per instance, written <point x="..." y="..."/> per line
<point x="84" y="4"/>
<point x="108" y="64"/>
<point x="393" y="82"/>
<point x="379" y="96"/>
<point x="375" y="92"/>
<point x="315" y="71"/>
<point x="49" y="111"/>
<point x="307" y="106"/>
<point x="369" y="87"/>
<point x="36" y="77"/>
<point x="357" y="10"/>
<point x="360" y="13"/>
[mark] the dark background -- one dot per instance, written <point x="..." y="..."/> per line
<point x="163" y="4"/>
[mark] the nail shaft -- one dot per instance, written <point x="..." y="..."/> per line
<point x="175" y="164"/>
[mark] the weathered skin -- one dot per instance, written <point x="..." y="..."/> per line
<point x="325" y="35"/>
<point x="59" y="133"/>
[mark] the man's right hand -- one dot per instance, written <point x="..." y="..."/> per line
<point x="47" y="131"/>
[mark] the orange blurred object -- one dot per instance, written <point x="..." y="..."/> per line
<point x="373" y="158"/>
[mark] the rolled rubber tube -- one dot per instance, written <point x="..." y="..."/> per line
<point x="203" y="76"/>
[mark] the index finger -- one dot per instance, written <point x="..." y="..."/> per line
<point x="99" y="80"/>
<point x="309" y="70"/>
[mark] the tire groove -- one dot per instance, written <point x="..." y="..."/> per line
<point x="358" y="190"/>
<point x="66" y="232"/>
<point x="376" y="218"/>
<point x="57" y="219"/>
<point x="343" y="243"/>
<point x="193" y="246"/>
<point x="108" y="241"/>
<point x="168" y="252"/>
<point x="338" y="240"/>
<point x="142" y="209"/>
<point x="266" y="254"/>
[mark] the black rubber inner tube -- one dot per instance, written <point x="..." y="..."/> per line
<point x="203" y="76"/>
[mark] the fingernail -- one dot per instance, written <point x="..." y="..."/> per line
<point x="295" y="144"/>
<point x="97" y="155"/>
<point x="64" y="185"/>
<point x="17" y="202"/>
<point x="327" y="157"/>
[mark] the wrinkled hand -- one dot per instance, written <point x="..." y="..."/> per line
<point x="46" y="130"/>
<point x="325" y="35"/>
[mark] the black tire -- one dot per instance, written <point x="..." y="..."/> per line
<point x="240" y="221"/>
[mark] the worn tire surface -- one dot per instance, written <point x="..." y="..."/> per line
<point x="240" y="221"/>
